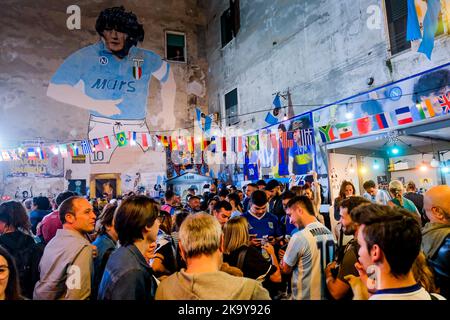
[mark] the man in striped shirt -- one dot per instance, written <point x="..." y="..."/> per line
<point x="308" y="251"/>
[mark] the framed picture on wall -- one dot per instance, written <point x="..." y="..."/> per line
<point x="78" y="186"/>
<point x="106" y="188"/>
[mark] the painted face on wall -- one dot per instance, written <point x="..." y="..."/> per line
<point x="115" y="40"/>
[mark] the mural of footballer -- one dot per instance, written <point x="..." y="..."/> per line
<point x="111" y="79"/>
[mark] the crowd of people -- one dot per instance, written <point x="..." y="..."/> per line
<point x="263" y="242"/>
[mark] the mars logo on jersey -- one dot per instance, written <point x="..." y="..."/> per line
<point x="137" y="68"/>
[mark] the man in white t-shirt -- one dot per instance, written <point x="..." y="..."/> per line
<point x="308" y="252"/>
<point x="389" y="240"/>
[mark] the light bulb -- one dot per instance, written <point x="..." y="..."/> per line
<point x="348" y="115"/>
<point x="351" y="170"/>
<point x="445" y="169"/>
<point x="423" y="167"/>
<point x="434" y="163"/>
<point x="375" y="165"/>
<point x="55" y="150"/>
<point x="395" y="150"/>
<point x="363" y="170"/>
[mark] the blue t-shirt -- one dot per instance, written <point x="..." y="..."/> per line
<point x="107" y="77"/>
<point x="303" y="159"/>
<point x="266" y="226"/>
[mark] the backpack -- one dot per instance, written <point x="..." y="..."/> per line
<point x="26" y="257"/>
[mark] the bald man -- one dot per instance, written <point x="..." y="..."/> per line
<point x="436" y="235"/>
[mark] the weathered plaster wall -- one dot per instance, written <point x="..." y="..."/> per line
<point x="322" y="50"/>
<point x="34" y="41"/>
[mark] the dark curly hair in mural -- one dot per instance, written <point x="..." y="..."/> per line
<point x="118" y="19"/>
<point x="431" y="83"/>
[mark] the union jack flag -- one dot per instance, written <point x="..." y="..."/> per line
<point x="444" y="100"/>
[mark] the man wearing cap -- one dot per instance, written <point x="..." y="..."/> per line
<point x="193" y="204"/>
<point x="273" y="193"/>
<point x="300" y="155"/>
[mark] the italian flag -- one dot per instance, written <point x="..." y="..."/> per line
<point x="344" y="130"/>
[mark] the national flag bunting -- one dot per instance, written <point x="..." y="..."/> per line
<point x="403" y="115"/>
<point x="344" y="130"/>
<point x="40" y="153"/>
<point x="274" y="141"/>
<point x="95" y="144"/>
<point x="5" y="156"/>
<point x="290" y="139"/>
<point x="363" y="125"/>
<point x="239" y="144"/>
<point x="425" y="109"/>
<point x="306" y="137"/>
<point x="144" y="140"/>
<point x="31" y="154"/>
<point x="326" y="133"/>
<point x="444" y="101"/>
<point x="383" y="120"/>
<point x="121" y="139"/>
<point x="224" y="144"/>
<point x="253" y="143"/>
<point x="86" y="147"/>
<point x="63" y="150"/>
<point x="106" y="142"/>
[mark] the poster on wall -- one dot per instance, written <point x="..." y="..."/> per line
<point x="78" y="186"/>
<point x="106" y="188"/>
<point x="52" y="166"/>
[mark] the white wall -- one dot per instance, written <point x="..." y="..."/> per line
<point x="417" y="175"/>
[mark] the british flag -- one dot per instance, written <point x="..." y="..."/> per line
<point x="444" y="101"/>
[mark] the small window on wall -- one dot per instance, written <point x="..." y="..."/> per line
<point x="175" y="46"/>
<point x="231" y="107"/>
<point x="230" y="22"/>
<point x="397" y="14"/>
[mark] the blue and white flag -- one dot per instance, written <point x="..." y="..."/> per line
<point x="430" y="24"/>
<point x="86" y="146"/>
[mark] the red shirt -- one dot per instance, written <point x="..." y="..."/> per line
<point x="48" y="226"/>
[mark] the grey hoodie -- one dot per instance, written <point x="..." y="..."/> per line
<point x="433" y="235"/>
<point x="209" y="286"/>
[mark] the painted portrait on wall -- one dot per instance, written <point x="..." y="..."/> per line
<point x="111" y="79"/>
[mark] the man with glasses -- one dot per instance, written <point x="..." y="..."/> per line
<point x="261" y="223"/>
<point x="436" y="235"/>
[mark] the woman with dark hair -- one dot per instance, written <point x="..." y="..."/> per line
<point x="9" y="280"/>
<point x="235" y="201"/>
<point x="15" y="236"/>
<point x="164" y="258"/>
<point x="128" y="275"/>
<point x="347" y="190"/>
<point x="106" y="243"/>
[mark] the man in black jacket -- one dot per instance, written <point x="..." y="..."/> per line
<point x="273" y="192"/>
<point x="436" y="235"/>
